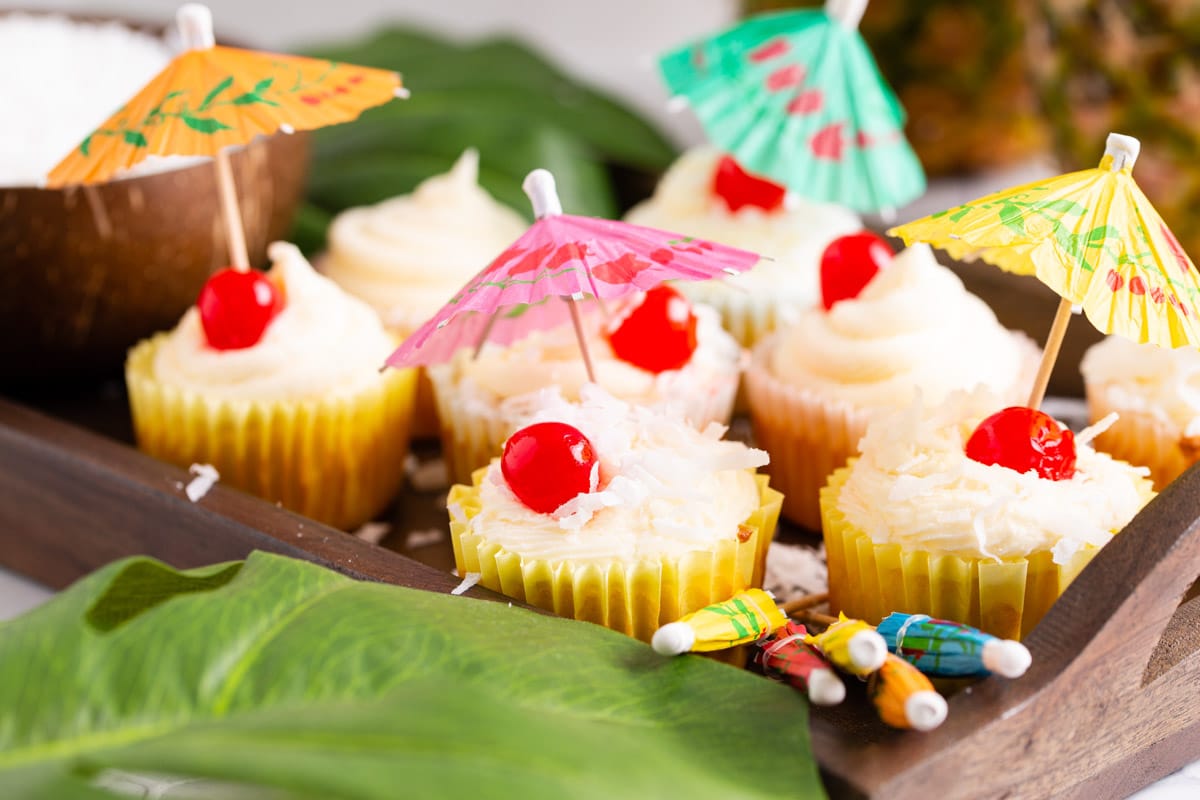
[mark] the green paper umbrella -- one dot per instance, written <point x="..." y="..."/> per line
<point x="796" y="97"/>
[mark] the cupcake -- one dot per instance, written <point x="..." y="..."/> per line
<point x="1155" y="393"/>
<point x="274" y="380"/>
<point x="965" y="513"/>
<point x="813" y="387"/>
<point x="615" y="514"/>
<point x="654" y="350"/>
<point x="707" y="195"/>
<point x="408" y="255"/>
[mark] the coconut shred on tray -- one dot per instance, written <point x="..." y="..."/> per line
<point x="59" y="79"/>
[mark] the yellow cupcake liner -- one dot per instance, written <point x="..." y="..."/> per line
<point x="868" y="581"/>
<point x="1142" y="438"/>
<point x="474" y="433"/>
<point x="339" y="461"/>
<point x="633" y="598"/>
<point x="807" y="436"/>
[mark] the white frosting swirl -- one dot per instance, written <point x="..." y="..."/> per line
<point x="508" y="376"/>
<point x="914" y="486"/>
<point x="665" y="488"/>
<point x="406" y="256"/>
<point x="323" y="343"/>
<point x="792" y="239"/>
<point x="914" y="325"/>
<point x="1162" y="383"/>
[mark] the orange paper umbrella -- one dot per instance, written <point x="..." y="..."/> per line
<point x="211" y="98"/>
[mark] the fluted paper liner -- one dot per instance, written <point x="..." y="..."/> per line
<point x="807" y="436"/>
<point x="868" y="581"/>
<point x="474" y="434"/>
<point x="339" y="461"/>
<point x="1142" y="438"/>
<point x="635" y="598"/>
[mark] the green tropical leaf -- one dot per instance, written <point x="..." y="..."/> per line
<point x="263" y="85"/>
<point x="135" y="138"/>
<point x="251" y="97"/>
<point x="283" y="675"/>
<point x="1063" y="206"/>
<point x="960" y="213"/>
<point x="1097" y="235"/>
<point x="220" y="87"/>
<point x="204" y="124"/>
<point x="86" y="145"/>
<point x="1012" y="217"/>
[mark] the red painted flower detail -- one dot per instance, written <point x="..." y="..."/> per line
<point x="1137" y="285"/>
<point x="785" y="77"/>
<point x="1176" y="249"/>
<point x="310" y="99"/>
<point x="1114" y="280"/>
<point x="772" y="49"/>
<point x="864" y="139"/>
<point x="1156" y="294"/>
<point x="808" y="102"/>
<point x="528" y="262"/>
<point x="357" y="78"/>
<point x="340" y="90"/>
<point x="664" y="255"/>
<point x="621" y="270"/>
<point x="828" y="142"/>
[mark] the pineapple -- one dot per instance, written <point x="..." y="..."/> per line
<point x="1131" y="67"/>
<point x="960" y="72"/>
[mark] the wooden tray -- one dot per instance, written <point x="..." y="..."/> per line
<point x="1109" y="705"/>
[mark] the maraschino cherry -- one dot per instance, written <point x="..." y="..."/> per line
<point x="1024" y="439"/>
<point x="848" y="265"/>
<point x="658" y="334"/>
<point x="739" y="188"/>
<point x="547" y="464"/>
<point x="236" y="307"/>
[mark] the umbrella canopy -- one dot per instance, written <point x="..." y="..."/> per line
<point x="797" y="97"/>
<point x="1092" y="237"/>
<point x="561" y="257"/>
<point x="211" y="97"/>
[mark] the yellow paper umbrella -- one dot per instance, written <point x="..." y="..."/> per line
<point x="1091" y="236"/>
<point x="210" y="98"/>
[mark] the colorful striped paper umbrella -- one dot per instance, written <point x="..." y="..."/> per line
<point x="797" y="97"/>
<point x="561" y="257"/>
<point x="950" y="649"/>
<point x="211" y="98"/>
<point x="802" y="666"/>
<point x="1091" y="236"/>
<point x="744" y="618"/>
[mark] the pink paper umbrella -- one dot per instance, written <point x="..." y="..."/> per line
<point x="561" y="257"/>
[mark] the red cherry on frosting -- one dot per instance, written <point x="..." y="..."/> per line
<point x="739" y="188"/>
<point x="236" y="307"/>
<point x="658" y="334"/>
<point x="1024" y="439"/>
<point x="849" y="263"/>
<point x="547" y="464"/>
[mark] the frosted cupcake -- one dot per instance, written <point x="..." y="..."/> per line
<point x="408" y="255"/>
<point x="707" y="196"/>
<point x="1156" y="394"/>
<point x="275" y="381"/>
<point x="813" y="386"/>
<point x="656" y="350"/>
<point x="615" y="514"/>
<point x="965" y="513"/>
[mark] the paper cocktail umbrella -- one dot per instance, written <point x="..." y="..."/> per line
<point x="851" y="645"/>
<point x="746" y="617"/>
<point x="788" y="656"/>
<point x="211" y="98"/>
<point x="951" y="649"/>
<point x="797" y="97"/>
<point x="567" y="258"/>
<point x="1091" y="236"/>
<point x="904" y="697"/>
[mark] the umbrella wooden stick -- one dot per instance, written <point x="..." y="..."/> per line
<point x="1058" y="329"/>
<point x="234" y="233"/>
<point x="807" y="601"/>
<point x="487" y="331"/>
<point x="196" y="30"/>
<point x="539" y="186"/>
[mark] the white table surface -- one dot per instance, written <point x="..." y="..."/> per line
<point x="18" y="595"/>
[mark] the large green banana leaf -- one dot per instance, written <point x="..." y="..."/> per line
<point x="519" y="110"/>
<point x="280" y="674"/>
